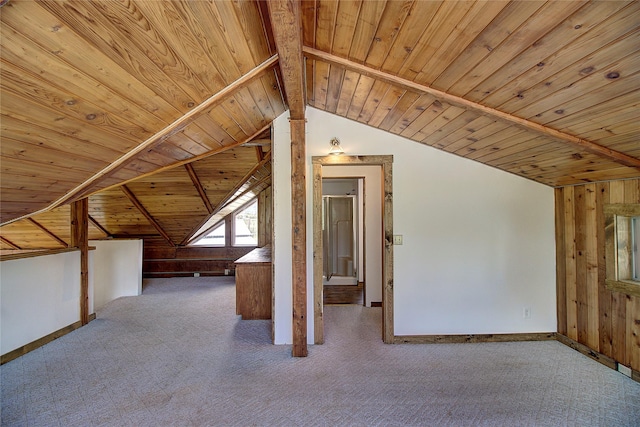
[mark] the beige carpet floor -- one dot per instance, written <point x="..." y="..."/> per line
<point x="179" y="356"/>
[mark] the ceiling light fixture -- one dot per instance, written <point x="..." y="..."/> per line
<point x="336" y="149"/>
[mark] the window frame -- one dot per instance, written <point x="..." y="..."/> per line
<point x="219" y="224"/>
<point x="233" y="216"/>
<point x="618" y="219"/>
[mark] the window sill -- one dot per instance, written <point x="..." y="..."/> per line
<point x="628" y="287"/>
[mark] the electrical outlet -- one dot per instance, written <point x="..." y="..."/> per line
<point x="196" y="274"/>
<point x="397" y="239"/>
<point x="624" y="370"/>
<point x="226" y="271"/>
<point x="526" y="313"/>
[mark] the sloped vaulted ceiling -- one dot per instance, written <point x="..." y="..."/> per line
<point x="149" y="94"/>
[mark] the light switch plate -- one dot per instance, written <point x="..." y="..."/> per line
<point x="397" y="239"/>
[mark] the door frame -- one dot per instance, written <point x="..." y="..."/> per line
<point x="385" y="162"/>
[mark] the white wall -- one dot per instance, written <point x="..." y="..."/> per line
<point x="41" y="295"/>
<point x="478" y="242"/>
<point x="38" y="296"/>
<point x="117" y="269"/>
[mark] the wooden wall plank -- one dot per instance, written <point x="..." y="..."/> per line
<point x="570" y="261"/>
<point x="80" y="239"/>
<point x="604" y="295"/>
<point x="619" y="300"/>
<point x="580" y="262"/>
<point x="591" y="258"/>
<point x="561" y="277"/>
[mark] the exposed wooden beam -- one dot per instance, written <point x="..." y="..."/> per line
<point x="226" y="198"/>
<point x="299" y="236"/>
<point x="97" y="225"/>
<point x="80" y="239"/>
<point x="9" y="243"/>
<point x="286" y="23"/>
<point x="196" y="183"/>
<point x="47" y="232"/>
<point x="170" y="130"/>
<point x="575" y="141"/>
<point x="259" y="153"/>
<point x="146" y="213"/>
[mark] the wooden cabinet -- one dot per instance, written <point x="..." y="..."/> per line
<point x="253" y="284"/>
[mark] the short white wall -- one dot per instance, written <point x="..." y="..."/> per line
<point x="478" y="242"/>
<point x="117" y="269"/>
<point x="37" y="297"/>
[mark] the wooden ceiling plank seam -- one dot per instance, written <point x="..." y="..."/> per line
<point x="37" y="135"/>
<point x="347" y="93"/>
<point x="52" y="70"/>
<point x="393" y="18"/>
<point x="466" y="30"/>
<point x="145" y="213"/>
<point x="257" y="39"/>
<point x="429" y="114"/>
<point x="566" y="32"/>
<point x="500" y="141"/>
<point x="627" y="126"/>
<point x="345" y="26"/>
<point x="447" y="116"/>
<point x="413" y="36"/>
<point x="286" y="22"/>
<point x="67" y="49"/>
<point x="212" y="135"/>
<point x="368" y="21"/>
<point x="579" y="57"/>
<point x="326" y="14"/>
<point x="259" y="153"/>
<point x="439" y="135"/>
<point x="622" y="115"/>
<point x="515" y="120"/>
<point x="265" y="21"/>
<point x="48" y="233"/>
<point x="596" y="86"/>
<point x="198" y="185"/>
<point x="96" y="28"/>
<point x="494" y="140"/>
<point x="24" y="109"/>
<point x="225" y="200"/>
<point x="465" y="132"/>
<point x="378" y="91"/>
<point x="261" y="99"/>
<point x="528" y="151"/>
<point x="10" y="243"/>
<point x="551" y="171"/>
<point x="320" y="91"/>
<point x="247" y="102"/>
<point x="513" y="149"/>
<point x="309" y="19"/>
<point x="610" y="175"/>
<point x="405" y="102"/>
<point x="506" y="23"/>
<point x="188" y="144"/>
<point x="360" y="95"/>
<point x="227" y="123"/>
<point x="239" y="117"/>
<point x="412" y="113"/>
<point x="172" y="128"/>
<point x="441" y="27"/>
<point x="334" y="88"/>
<point x="385" y="106"/>
<point x="99" y="226"/>
<point x="531" y="31"/>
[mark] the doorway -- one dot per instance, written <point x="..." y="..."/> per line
<point x="384" y="249"/>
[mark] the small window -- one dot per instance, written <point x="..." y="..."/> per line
<point x="215" y="237"/>
<point x="245" y="226"/>
<point x="622" y="231"/>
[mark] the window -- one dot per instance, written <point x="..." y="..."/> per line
<point x="215" y="237"/>
<point x="245" y="225"/>
<point x="622" y="231"/>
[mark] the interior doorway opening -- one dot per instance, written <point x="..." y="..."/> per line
<point x="380" y="287"/>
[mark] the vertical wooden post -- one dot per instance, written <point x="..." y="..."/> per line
<point x="299" y="240"/>
<point x="80" y="240"/>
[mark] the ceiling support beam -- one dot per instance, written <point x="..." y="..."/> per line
<point x="146" y="213"/>
<point x="286" y="22"/>
<point x="225" y="200"/>
<point x="579" y="143"/>
<point x="80" y="239"/>
<point x="48" y="233"/>
<point x="169" y="130"/>
<point x="196" y="183"/>
<point x="10" y="243"/>
<point x="99" y="226"/>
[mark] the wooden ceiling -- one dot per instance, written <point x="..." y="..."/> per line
<point x="151" y="94"/>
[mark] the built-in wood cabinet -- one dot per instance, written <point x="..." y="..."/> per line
<point x="253" y="284"/>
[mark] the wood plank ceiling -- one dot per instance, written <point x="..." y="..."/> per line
<point x="146" y="106"/>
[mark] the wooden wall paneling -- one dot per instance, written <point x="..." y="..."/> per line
<point x="591" y="258"/>
<point x="604" y="295"/>
<point x="48" y="232"/>
<point x="570" y="263"/>
<point x="6" y="242"/>
<point x="618" y="302"/>
<point x="561" y="266"/>
<point x="632" y="339"/>
<point x="580" y="262"/>
<point x="146" y="213"/>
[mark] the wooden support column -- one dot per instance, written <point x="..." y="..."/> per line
<point x="80" y="240"/>
<point x="299" y="240"/>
